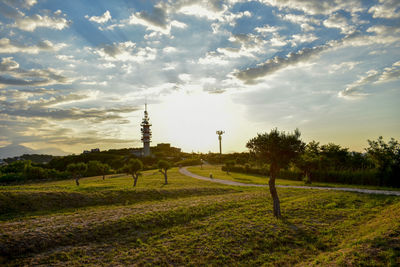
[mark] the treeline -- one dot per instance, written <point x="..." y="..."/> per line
<point x="378" y="166"/>
<point x="34" y="167"/>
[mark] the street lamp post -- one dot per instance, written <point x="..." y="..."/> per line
<point x="220" y="133"/>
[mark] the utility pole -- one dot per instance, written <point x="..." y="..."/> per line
<point x="220" y="133"/>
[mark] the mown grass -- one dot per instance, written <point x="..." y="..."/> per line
<point x="221" y="226"/>
<point x="216" y="171"/>
<point x="64" y="196"/>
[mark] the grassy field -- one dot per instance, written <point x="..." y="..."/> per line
<point x="192" y="222"/>
<point x="205" y="170"/>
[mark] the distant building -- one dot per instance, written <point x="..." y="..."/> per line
<point x="93" y="150"/>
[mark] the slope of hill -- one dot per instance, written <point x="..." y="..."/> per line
<point x="192" y="222"/>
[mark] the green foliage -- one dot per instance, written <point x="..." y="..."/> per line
<point x="276" y="148"/>
<point x="386" y="157"/>
<point x="163" y="167"/>
<point x="23" y="171"/>
<point x="77" y="168"/>
<point x="188" y="162"/>
<point x="229" y="165"/>
<point x="97" y="168"/>
<point x="133" y="167"/>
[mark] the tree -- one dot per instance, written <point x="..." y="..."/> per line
<point x="133" y="167"/>
<point x="163" y="167"/>
<point x="96" y="167"/>
<point x="278" y="149"/>
<point x="77" y="170"/>
<point x="229" y="165"/>
<point x="386" y="157"/>
<point x="309" y="160"/>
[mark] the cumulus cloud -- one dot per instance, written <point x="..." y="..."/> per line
<point x="20" y="3"/>
<point x="302" y="38"/>
<point x="7" y="46"/>
<point x="356" y="89"/>
<point x="388" y="9"/>
<point x="339" y="21"/>
<point x="12" y="74"/>
<point x="100" y="19"/>
<point x="211" y="10"/>
<point x="125" y="51"/>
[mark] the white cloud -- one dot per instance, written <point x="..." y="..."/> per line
<point x="125" y="51"/>
<point x="315" y="7"/>
<point x="30" y="23"/>
<point x="266" y="29"/>
<point x="339" y="21"/>
<point x="6" y="46"/>
<point x="302" y="38"/>
<point x="388" y="9"/>
<point x="20" y="3"/>
<point x="356" y="88"/>
<point x="344" y="66"/>
<point x="100" y="19"/>
<point x="169" y="49"/>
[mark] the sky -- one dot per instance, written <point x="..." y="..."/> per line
<point x="75" y="75"/>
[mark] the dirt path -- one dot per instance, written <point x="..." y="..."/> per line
<point x="184" y="171"/>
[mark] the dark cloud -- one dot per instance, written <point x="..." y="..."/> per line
<point x="14" y="75"/>
<point x="250" y="75"/>
<point x="157" y="18"/>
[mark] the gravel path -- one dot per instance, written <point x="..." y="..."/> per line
<point x="184" y="171"/>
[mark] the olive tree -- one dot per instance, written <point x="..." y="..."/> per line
<point x="77" y="170"/>
<point x="133" y="167"/>
<point x="278" y="149"/>
<point x="163" y="167"/>
<point x="229" y="165"/>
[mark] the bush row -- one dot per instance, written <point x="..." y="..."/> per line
<point x="358" y="177"/>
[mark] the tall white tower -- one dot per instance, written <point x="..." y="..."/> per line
<point x="146" y="133"/>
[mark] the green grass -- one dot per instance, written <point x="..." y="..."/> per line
<point x="191" y="222"/>
<point x="259" y="179"/>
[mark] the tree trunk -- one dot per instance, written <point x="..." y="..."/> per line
<point x="104" y="176"/>
<point x="134" y="180"/>
<point x="165" y="177"/>
<point x="77" y="180"/>
<point x="274" y="194"/>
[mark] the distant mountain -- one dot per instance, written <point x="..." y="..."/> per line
<point x="18" y="150"/>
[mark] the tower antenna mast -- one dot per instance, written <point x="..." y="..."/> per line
<point x="146" y="132"/>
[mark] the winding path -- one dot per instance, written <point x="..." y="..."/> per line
<point x="185" y="171"/>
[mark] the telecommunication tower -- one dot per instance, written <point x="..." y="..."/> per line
<point x="220" y="133"/>
<point x="146" y="132"/>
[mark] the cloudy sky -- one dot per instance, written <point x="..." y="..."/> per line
<point x="75" y="74"/>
